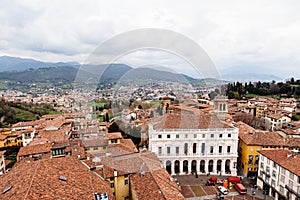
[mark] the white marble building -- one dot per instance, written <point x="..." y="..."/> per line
<point x="201" y="143"/>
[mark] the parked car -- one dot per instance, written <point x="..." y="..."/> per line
<point x="223" y="190"/>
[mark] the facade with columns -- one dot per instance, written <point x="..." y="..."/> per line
<point x="183" y="151"/>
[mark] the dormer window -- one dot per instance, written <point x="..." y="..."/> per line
<point x="114" y="141"/>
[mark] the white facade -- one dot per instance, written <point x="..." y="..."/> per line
<point x="278" y="181"/>
<point x="182" y="151"/>
<point x="27" y="137"/>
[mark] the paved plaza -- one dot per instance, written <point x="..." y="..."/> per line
<point x="195" y="189"/>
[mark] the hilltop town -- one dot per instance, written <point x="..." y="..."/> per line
<point x="139" y="142"/>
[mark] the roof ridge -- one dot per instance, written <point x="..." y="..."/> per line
<point x="35" y="170"/>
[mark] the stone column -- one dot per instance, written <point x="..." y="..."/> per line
<point x="172" y="167"/>
<point x="198" y="166"/>
<point x="206" y="166"/>
<point x="223" y="167"/>
<point x="180" y="167"/>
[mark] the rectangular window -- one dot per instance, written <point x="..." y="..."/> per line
<point x="275" y="165"/>
<point x="283" y="171"/>
<point x="168" y="136"/>
<point x="220" y="149"/>
<point x="168" y="150"/>
<point x="273" y="183"/>
<point x="126" y="182"/>
<point x="268" y="161"/>
<point x="202" y="148"/>
<point x="282" y="178"/>
<point x="195" y="135"/>
<point x="159" y="150"/>
<point x="112" y="185"/>
<point x="177" y="150"/>
<point x="291" y="183"/>
<point x="281" y="189"/>
<point x="95" y="148"/>
<point x="268" y="170"/>
<point x="211" y="135"/>
<point x="251" y="149"/>
<point x="195" y="148"/>
<point x="229" y="135"/>
<point x="250" y="161"/>
<point x="211" y="149"/>
<point x="159" y="136"/>
<point x="203" y="135"/>
<point x="274" y="173"/>
<point x="186" y="135"/>
<point x="261" y="173"/>
<point x="177" y="135"/>
<point x="256" y="159"/>
<point x="185" y="148"/>
<point x="220" y="135"/>
<point x="291" y="176"/>
<point x="228" y="149"/>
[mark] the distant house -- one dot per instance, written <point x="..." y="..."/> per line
<point x="95" y="144"/>
<point x="34" y="151"/>
<point x="276" y="121"/>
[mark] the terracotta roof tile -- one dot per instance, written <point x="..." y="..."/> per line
<point x="155" y="185"/>
<point x="184" y="121"/>
<point x="250" y="136"/>
<point x="35" y="149"/>
<point x="40" y="180"/>
<point x="115" y="135"/>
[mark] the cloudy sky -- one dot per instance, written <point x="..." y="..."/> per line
<point x="243" y="36"/>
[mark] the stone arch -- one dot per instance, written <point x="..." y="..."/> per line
<point x="177" y="167"/>
<point x="194" y="166"/>
<point x="210" y="166"/>
<point x="185" y="166"/>
<point x="202" y="166"/>
<point x="168" y="166"/>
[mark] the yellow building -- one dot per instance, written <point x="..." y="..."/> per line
<point x="251" y="141"/>
<point x="10" y="140"/>
<point x="119" y="183"/>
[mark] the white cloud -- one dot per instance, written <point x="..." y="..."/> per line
<point x="234" y="33"/>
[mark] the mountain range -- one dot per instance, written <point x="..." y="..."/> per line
<point x="32" y="71"/>
<point x="26" y="70"/>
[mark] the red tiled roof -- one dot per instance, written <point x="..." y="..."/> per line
<point x="40" y="180"/>
<point x="155" y="185"/>
<point x="250" y="136"/>
<point x="185" y="121"/>
<point x="95" y="142"/>
<point x="115" y="135"/>
<point x="54" y="136"/>
<point x="35" y="149"/>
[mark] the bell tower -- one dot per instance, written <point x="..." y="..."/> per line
<point x="221" y="106"/>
